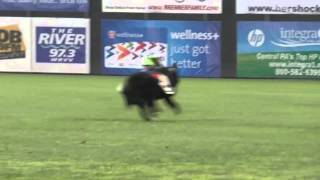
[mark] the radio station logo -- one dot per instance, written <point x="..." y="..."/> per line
<point x="61" y="44"/>
<point x="11" y="43"/>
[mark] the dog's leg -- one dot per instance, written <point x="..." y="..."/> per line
<point x="144" y="111"/>
<point x="175" y="106"/>
<point x="152" y="108"/>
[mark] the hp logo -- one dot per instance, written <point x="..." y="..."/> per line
<point x="256" y="38"/>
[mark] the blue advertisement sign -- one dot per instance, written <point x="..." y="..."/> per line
<point x="45" y="5"/>
<point x="61" y="45"/>
<point x="279" y="49"/>
<point x="194" y="46"/>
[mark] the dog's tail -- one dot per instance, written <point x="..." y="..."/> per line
<point x="119" y="88"/>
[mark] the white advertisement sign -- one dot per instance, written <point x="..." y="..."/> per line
<point x="163" y="6"/>
<point x="15" y="44"/>
<point x="278" y="7"/>
<point x="61" y="45"/>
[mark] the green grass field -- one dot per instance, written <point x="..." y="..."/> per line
<point x="76" y="127"/>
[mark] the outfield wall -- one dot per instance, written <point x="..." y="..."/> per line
<point x="50" y="45"/>
<point x="206" y="38"/>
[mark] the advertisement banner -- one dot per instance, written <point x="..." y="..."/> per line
<point x="15" y="44"/>
<point x="61" y="45"/>
<point x="279" y="49"/>
<point x="194" y="46"/>
<point x="45" y="5"/>
<point x="278" y="7"/>
<point x="164" y="6"/>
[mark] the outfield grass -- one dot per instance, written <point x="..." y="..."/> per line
<point x="76" y="127"/>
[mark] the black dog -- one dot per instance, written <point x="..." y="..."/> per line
<point x="143" y="90"/>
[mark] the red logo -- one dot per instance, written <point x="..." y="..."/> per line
<point x="112" y="34"/>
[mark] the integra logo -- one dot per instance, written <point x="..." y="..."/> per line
<point x="189" y="35"/>
<point x="298" y="38"/>
<point x="113" y="34"/>
<point x="11" y="43"/>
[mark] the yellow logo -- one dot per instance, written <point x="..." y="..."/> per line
<point x="11" y="43"/>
